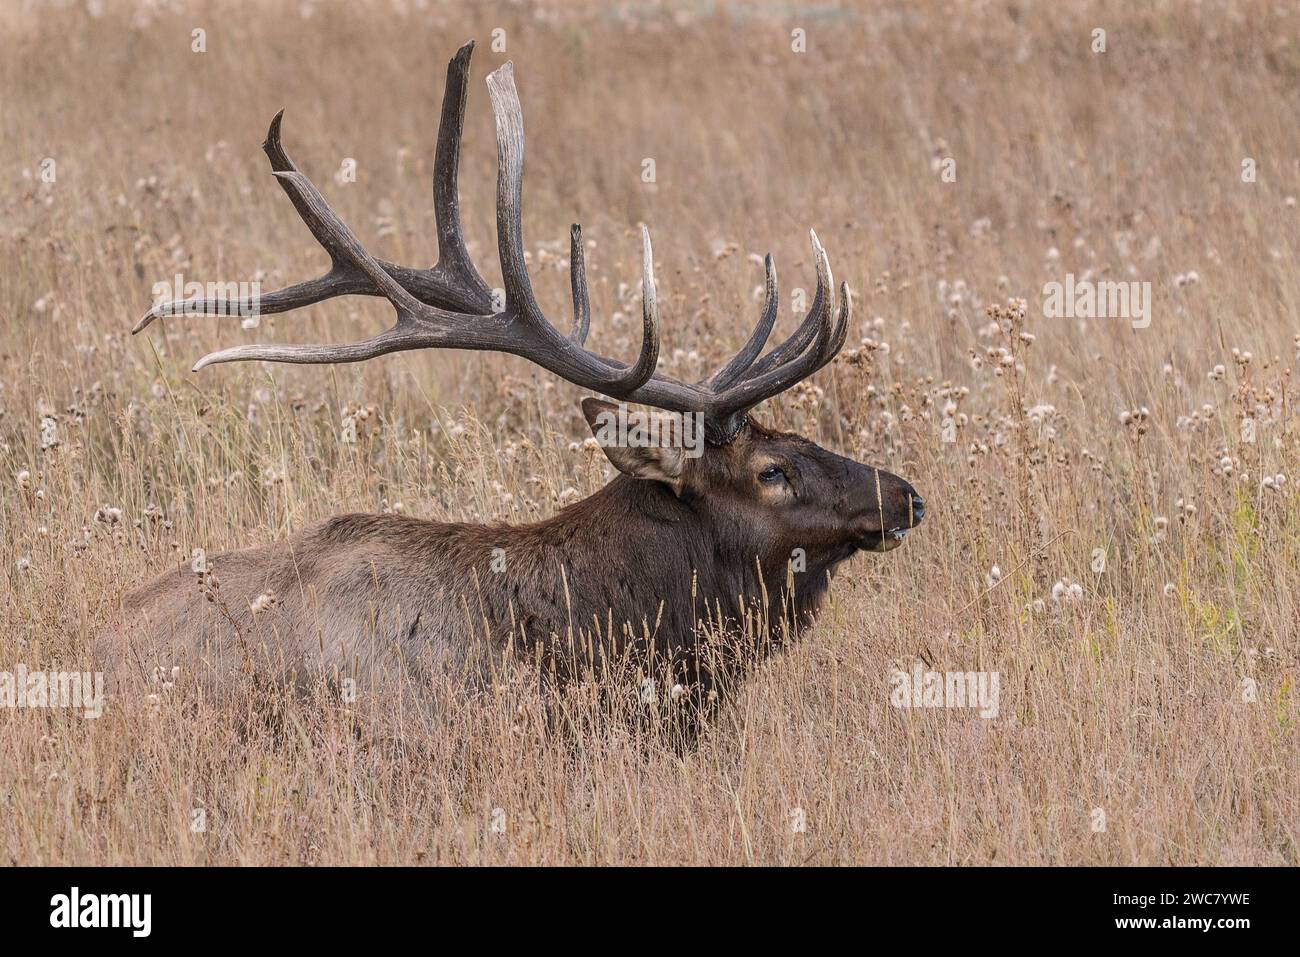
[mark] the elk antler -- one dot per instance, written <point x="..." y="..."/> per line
<point x="450" y="306"/>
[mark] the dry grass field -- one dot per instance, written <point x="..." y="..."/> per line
<point x="953" y="157"/>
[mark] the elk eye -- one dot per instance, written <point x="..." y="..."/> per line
<point x="772" y="473"/>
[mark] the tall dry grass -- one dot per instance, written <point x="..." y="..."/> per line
<point x="1130" y="694"/>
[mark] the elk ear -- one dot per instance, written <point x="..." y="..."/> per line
<point x="632" y="446"/>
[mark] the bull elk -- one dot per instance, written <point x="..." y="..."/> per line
<point x="675" y="549"/>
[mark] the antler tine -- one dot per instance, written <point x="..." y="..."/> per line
<point x="578" y="279"/>
<point x="841" y="326"/>
<point x="331" y="285"/>
<point x="454" y="262"/>
<point x="740" y="363"/>
<point x="510" y="185"/>
<point x="639" y="373"/>
<point x="281" y="300"/>
<point x="281" y="163"/>
<point x="382" y="344"/>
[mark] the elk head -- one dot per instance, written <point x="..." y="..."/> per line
<point x="772" y="495"/>
<point x="769" y="493"/>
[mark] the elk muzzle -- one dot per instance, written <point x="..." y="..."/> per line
<point x="891" y="507"/>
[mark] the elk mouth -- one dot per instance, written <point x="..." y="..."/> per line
<point x="882" y="541"/>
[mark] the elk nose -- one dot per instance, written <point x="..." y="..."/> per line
<point x="918" y="507"/>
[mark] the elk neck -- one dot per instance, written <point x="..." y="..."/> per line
<point x="653" y="547"/>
